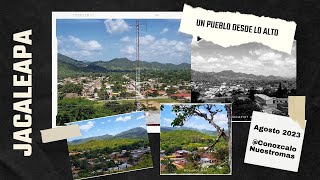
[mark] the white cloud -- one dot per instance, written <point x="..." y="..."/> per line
<point x="123" y="119"/>
<point x="199" y="123"/>
<point x="199" y="126"/>
<point x="125" y="39"/>
<point x="116" y="26"/>
<point x="73" y="53"/>
<point x="213" y="59"/>
<point x="164" y="30"/>
<point x="228" y="57"/>
<point x="129" y="50"/>
<point x="256" y="52"/>
<point x="87" y="126"/>
<point x="270" y="56"/>
<point x="220" y="117"/>
<point x="249" y="58"/>
<point x="197" y="60"/>
<point x="167" y="120"/>
<point x="91" y="45"/>
<point x="166" y="46"/>
<point x="141" y="117"/>
<point x="164" y="50"/>
<point x="146" y="40"/>
<point x="77" y="48"/>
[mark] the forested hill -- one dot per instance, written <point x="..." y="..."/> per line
<point x="67" y="65"/>
<point x="134" y="133"/>
<point x="231" y="75"/>
<point x="184" y="139"/>
<point x="205" y="131"/>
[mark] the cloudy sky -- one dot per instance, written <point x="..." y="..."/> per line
<point x="105" y="39"/>
<point x="167" y="116"/>
<point x="253" y="58"/>
<point x="111" y="125"/>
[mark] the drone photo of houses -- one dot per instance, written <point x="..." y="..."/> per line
<point x="110" y="145"/>
<point x="252" y="76"/>
<point x="103" y="71"/>
<point x="195" y="139"/>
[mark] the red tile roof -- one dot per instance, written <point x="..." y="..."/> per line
<point x="181" y="95"/>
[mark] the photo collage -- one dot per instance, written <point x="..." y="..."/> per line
<point x="121" y="76"/>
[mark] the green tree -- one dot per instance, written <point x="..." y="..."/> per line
<point x="117" y="87"/>
<point x="171" y="168"/>
<point x="62" y="119"/>
<point x="154" y="93"/>
<point x="103" y="94"/>
<point x="280" y="91"/>
<point x="71" y="88"/>
<point x="195" y="95"/>
<point x="171" y="90"/>
<point x="193" y="158"/>
<point x="185" y="112"/>
<point x="82" y="112"/>
<point x="251" y="94"/>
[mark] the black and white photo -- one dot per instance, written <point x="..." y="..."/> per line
<point x="252" y="76"/>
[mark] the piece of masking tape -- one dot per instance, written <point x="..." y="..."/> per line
<point x="60" y="133"/>
<point x="296" y="109"/>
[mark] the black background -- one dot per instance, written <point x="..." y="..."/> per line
<point x="51" y="161"/>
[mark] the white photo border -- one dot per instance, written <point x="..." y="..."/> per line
<point x="92" y="15"/>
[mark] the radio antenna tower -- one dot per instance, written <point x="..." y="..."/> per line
<point x="137" y="82"/>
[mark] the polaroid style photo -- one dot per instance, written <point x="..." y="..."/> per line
<point x="195" y="139"/>
<point x="108" y="63"/>
<point x="110" y="145"/>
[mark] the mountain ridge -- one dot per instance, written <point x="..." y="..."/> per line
<point x="70" y="65"/>
<point x="133" y="133"/>
<point x="205" y="131"/>
<point x="229" y="74"/>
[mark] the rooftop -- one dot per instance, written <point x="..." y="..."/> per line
<point x="263" y="96"/>
<point x="182" y="151"/>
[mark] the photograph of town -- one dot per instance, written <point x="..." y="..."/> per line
<point x="103" y="70"/>
<point x="109" y="145"/>
<point x="195" y="139"/>
<point x="251" y="76"/>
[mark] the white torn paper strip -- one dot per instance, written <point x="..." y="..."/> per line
<point x="153" y="121"/>
<point x="231" y="29"/>
<point x="60" y="133"/>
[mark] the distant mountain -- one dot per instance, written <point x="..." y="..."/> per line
<point x="205" y="131"/>
<point x="67" y="65"/>
<point x="70" y="61"/>
<point x="137" y="132"/>
<point x="126" y="64"/>
<point x="230" y="75"/>
<point x="78" y="141"/>
<point x="134" y="133"/>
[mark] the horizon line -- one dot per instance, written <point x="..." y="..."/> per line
<point x="120" y="58"/>
<point x="243" y="73"/>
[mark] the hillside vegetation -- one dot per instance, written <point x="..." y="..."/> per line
<point x="184" y="139"/>
<point x="117" y="144"/>
<point x="68" y="67"/>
